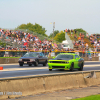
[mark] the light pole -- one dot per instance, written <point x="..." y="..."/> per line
<point x="53" y="30"/>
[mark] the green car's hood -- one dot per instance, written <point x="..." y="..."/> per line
<point x="61" y="59"/>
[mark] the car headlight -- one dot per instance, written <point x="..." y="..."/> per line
<point x="32" y="59"/>
<point x="20" y="59"/>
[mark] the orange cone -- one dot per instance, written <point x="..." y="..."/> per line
<point x="1" y="68"/>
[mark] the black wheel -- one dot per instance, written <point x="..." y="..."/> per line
<point x="72" y="67"/>
<point x="81" y="67"/>
<point x="50" y="69"/>
<point x="20" y="64"/>
<point x="30" y="64"/>
<point x="36" y="63"/>
<point x="44" y="64"/>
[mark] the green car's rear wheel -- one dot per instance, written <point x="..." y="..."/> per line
<point x="81" y="67"/>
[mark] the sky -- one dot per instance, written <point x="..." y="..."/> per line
<point x="67" y="14"/>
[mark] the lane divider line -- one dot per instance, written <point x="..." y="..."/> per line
<point x="18" y="63"/>
<point x="16" y="69"/>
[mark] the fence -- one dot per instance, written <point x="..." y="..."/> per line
<point x="20" y="53"/>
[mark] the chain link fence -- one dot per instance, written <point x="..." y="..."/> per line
<point x="19" y="53"/>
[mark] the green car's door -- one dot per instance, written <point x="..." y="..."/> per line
<point x="76" y="63"/>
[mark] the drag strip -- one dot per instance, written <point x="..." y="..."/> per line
<point x="14" y="70"/>
<point x="38" y="72"/>
<point x="37" y="68"/>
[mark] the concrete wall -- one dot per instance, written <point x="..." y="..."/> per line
<point x="15" y="60"/>
<point x="47" y="83"/>
<point x="8" y="60"/>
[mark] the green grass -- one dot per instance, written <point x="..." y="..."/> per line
<point x="92" y="97"/>
<point x="9" y="57"/>
<point x="19" y="57"/>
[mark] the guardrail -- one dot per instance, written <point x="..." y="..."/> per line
<point x="19" y="53"/>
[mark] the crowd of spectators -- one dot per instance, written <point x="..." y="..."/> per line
<point x="80" y="43"/>
<point x="28" y="41"/>
<point x="93" y="40"/>
<point x="25" y="40"/>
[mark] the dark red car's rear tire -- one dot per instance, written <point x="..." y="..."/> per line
<point x="44" y="64"/>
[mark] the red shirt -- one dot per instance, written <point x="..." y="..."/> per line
<point x="25" y="43"/>
<point x="66" y="30"/>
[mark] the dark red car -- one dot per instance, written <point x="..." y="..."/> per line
<point x="34" y="58"/>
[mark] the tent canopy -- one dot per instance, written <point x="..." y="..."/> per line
<point x="65" y="42"/>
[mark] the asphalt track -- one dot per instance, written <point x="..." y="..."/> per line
<point x="14" y="70"/>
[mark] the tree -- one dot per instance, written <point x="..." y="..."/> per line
<point x="55" y="33"/>
<point x="2" y="44"/>
<point x="60" y="36"/>
<point x="80" y="30"/>
<point x="34" y="28"/>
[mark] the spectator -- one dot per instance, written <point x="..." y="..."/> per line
<point x="75" y="31"/>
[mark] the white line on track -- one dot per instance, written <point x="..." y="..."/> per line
<point x="35" y="68"/>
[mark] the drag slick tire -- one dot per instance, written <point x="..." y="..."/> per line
<point x="81" y="67"/>
<point x="44" y="64"/>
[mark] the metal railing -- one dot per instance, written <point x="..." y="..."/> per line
<point x="20" y="53"/>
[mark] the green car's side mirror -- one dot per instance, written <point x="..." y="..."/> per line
<point x="53" y="57"/>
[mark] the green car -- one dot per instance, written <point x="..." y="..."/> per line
<point x="66" y="61"/>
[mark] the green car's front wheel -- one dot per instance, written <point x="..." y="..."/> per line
<point x="72" y="67"/>
<point x="50" y="69"/>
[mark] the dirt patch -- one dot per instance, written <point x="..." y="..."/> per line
<point x="64" y="94"/>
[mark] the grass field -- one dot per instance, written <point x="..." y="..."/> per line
<point x="9" y="57"/>
<point x="92" y="97"/>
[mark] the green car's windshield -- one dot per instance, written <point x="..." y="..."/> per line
<point x="31" y="55"/>
<point x="65" y="56"/>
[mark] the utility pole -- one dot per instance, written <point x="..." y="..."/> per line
<point x="53" y="29"/>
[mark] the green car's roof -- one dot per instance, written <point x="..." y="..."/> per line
<point x="67" y="53"/>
